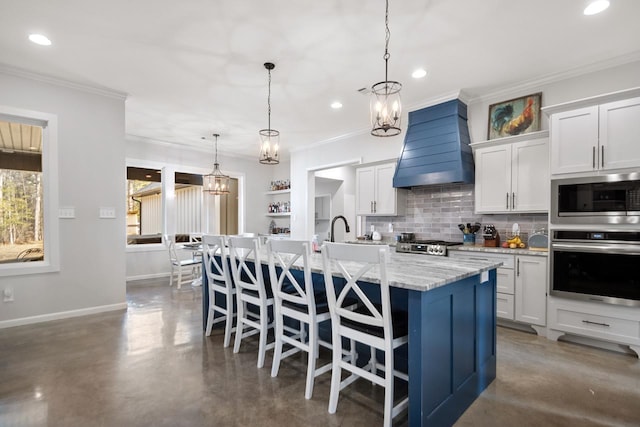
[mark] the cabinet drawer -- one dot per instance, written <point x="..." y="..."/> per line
<point x="504" y="281"/>
<point x="504" y="306"/>
<point x="507" y="260"/>
<point x="597" y="326"/>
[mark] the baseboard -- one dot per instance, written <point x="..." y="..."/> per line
<point x="512" y="324"/>
<point x="594" y="342"/>
<point x="147" y="276"/>
<point x="62" y="315"/>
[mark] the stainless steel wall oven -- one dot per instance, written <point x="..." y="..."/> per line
<point x="602" y="199"/>
<point x="599" y="266"/>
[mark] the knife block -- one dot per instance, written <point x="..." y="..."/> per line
<point x="492" y="242"/>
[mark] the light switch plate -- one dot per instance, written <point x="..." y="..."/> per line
<point x="67" y="212"/>
<point x="107" y="212"/>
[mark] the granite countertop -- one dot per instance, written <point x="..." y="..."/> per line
<point x="391" y="243"/>
<point x="480" y="248"/>
<point x="410" y="271"/>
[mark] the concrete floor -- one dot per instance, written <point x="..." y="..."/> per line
<point x="152" y="366"/>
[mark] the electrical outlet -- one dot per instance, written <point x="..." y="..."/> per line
<point x="7" y="294"/>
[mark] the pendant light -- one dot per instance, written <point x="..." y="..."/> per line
<point x="216" y="183"/>
<point x="269" y="138"/>
<point x="386" y="107"/>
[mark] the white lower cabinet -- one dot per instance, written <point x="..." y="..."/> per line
<point x="616" y="324"/>
<point x="521" y="285"/>
<point x="531" y="289"/>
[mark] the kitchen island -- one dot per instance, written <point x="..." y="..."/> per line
<point x="452" y="330"/>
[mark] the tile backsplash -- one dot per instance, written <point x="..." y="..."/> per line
<point x="434" y="212"/>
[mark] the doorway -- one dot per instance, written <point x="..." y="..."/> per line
<point x="229" y="209"/>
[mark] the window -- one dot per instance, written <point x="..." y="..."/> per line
<point x="188" y="189"/>
<point x="144" y="206"/>
<point x="21" y="197"/>
<point x="167" y="201"/>
<point x="28" y="192"/>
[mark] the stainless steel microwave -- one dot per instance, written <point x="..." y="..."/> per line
<point x="603" y="199"/>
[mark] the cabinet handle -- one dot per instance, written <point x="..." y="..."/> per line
<point x="518" y="268"/>
<point x="593" y="158"/>
<point x="375" y="206"/>
<point x="371" y="207"/>
<point x="602" y="156"/>
<point x="596" y="323"/>
<point x="513" y="200"/>
<point x="507" y="207"/>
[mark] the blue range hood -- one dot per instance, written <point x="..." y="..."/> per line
<point x="436" y="148"/>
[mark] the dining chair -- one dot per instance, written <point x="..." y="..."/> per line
<point x="250" y="290"/>
<point x="296" y="299"/>
<point x="186" y="269"/>
<point x="216" y="265"/>
<point x="372" y="323"/>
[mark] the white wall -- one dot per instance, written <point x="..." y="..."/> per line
<point x="148" y="261"/>
<point x="362" y="148"/>
<point x="367" y="149"/>
<point x="91" y="162"/>
<point x="343" y="200"/>
<point x="556" y="92"/>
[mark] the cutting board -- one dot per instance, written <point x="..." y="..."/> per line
<point x="538" y="242"/>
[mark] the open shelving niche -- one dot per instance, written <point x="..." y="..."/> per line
<point x="275" y="199"/>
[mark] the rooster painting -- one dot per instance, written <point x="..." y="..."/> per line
<point x="507" y="119"/>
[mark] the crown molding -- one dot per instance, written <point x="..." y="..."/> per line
<point x="96" y="90"/>
<point x="535" y="83"/>
<point x="130" y="138"/>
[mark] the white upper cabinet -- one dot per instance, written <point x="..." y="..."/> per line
<point x="619" y="133"/>
<point x="375" y="194"/>
<point x="512" y="174"/>
<point x="596" y="134"/>
<point x="574" y="140"/>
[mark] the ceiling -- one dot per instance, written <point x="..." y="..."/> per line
<point x="194" y="67"/>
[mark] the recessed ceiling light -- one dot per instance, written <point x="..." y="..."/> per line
<point x="419" y="73"/>
<point x="336" y="105"/>
<point x="596" y="6"/>
<point x="40" y="39"/>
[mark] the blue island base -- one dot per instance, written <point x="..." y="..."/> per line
<point x="452" y="348"/>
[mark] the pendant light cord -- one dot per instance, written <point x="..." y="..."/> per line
<point x="386" y="45"/>
<point x="216" y="149"/>
<point x="269" y="103"/>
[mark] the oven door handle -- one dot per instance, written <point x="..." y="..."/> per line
<point x="624" y="249"/>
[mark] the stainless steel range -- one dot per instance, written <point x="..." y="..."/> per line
<point x="426" y="247"/>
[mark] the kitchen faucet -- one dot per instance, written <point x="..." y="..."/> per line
<point x="333" y="221"/>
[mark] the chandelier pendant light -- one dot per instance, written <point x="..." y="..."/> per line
<point x="216" y="183"/>
<point x="386" y="108"/>
<point x="269" y="138"/>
